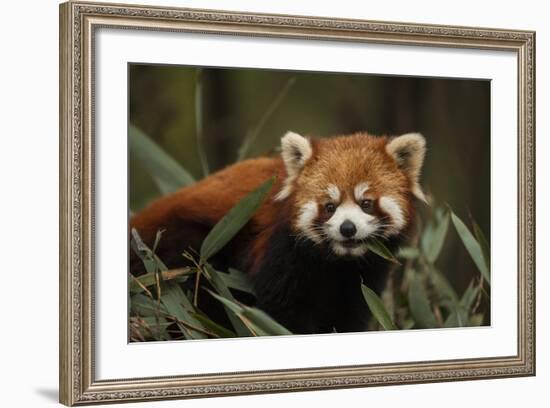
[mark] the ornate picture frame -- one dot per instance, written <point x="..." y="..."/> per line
<point x="79" y="22"/>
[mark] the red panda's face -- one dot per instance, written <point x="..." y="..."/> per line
<point x="349" y="188"/>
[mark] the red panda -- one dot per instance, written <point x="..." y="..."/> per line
<point x="305" y="247"/>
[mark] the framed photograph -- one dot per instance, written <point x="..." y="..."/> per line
<point x="258" y="203"/>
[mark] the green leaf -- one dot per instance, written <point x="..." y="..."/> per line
<point x="408" y="324"/>
<point x="156" y="329"/>
<point x="408" y="253"/>
<point x="167" y="173"/>
<point x="457" y="318"/>
<point x="236" y="311"/>
<point x="234" y="220"/>
<point x="444" y="292"/>
<point x="212" y="326"/>
<point x="147" y="308"/>
<point x="469" y="296"/>
<point x="147" y="256"/>
<point x="178" y="305"/>
<point x="252" y="135"/>
<point x="150" y="321"/>
<point x="476" y="320"/>
<point x="376" y="246"/>
<point x="485" y="249"/>
<point x="213" y="276"/>
<point x="257" y="321"/>
<point x="434" y="237"/>
<point x="144" y="306"/>
<point x="149" y="278"/>
<point x="264" y="322"/>
<point x="198" y="122"/>
<point x="460" y="311"/>
<point x="143" y="251"/>
<point x="172" y="296"/>
<point x="157" y="240"/>
<point x="230" y="304"/>
<point x="472" y="246"/>
<point x="420" y="305"/>
<point x="377" y="308"/>
<point x="236" y="279"/>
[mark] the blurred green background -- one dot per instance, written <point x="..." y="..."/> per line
<point x="235" y="104"/>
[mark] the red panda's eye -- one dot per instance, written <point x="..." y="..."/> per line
<point x="330" y="208"/>
<point x="367" y="205"/>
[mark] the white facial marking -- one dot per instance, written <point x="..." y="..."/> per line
<point x="338" y="249"/>
<point x="306" y="215"/>
<point x="365" y="223"/>
<point x="341" y="250"/>
<point x="334" y="193"/>
<point x="359" y="250"/>
<point x="390" y="206"/>
<point x="359" y="190"/>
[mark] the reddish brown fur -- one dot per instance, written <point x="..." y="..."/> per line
<point x="344" y="161"/>
<point x="210" y="199"/>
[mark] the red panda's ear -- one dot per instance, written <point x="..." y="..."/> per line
<point x="408" y="151"/>
<point x="296" y="151"/>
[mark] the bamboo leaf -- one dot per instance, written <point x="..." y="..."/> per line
<point x="144" y="253"/>
<point x="476" y="320"/>
<point x="149" y="278"/>
<point x="376" y="246"/>
<point x="167" y="173"/>
<point x="198" y="123"/>
<point x="230" y="304"/>
<point x="144" y="306"/>
<point x="485" y="248"/>
<point x="461" y="310"/>
<point x="219" y="285"/>
<point x="457" y="318"/>
<point x="178" y="305"/>
<point x="252" y="135"/>
<point x="157" y="329"/>
<point x="147" y="308"/>
<point x="377" y="308"/>
<point x="173" y="298"/>
<point x="420" y="305"/>
<point x="408" y="324"/>
<point x="472" y="246"/>
<point x="258" y="322"/>
<point x="444" y="291"/>
<point x="157" y="240"/>
<point x="150" y="321"/>
<point x="234" y="311"/>
<point x="432" y="242"/>
<point x="469" y="296"/>
<point x="213" y="326"/>
<point x="234" y="220"/>
<point x="236" y="279"/>
<point x="265" y="322"/>
<point x="408" y="253"/>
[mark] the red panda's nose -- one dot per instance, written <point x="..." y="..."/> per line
<point x="348" y="229"/>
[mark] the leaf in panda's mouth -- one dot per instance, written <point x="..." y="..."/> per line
<point x="376" y="246"/>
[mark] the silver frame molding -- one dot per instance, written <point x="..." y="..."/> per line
<point x="78" y="22"/>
